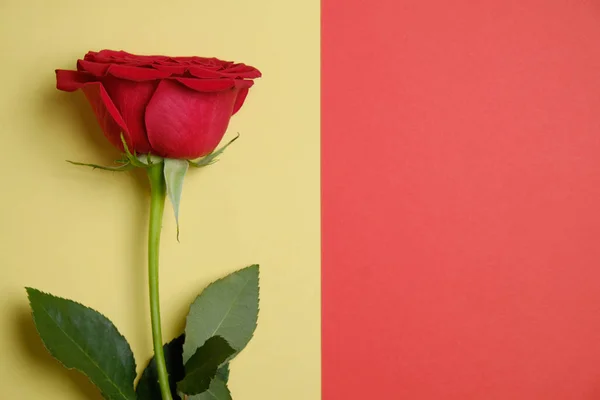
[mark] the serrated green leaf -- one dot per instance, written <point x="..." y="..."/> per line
<point x="148" y="387"/>
<point x="85" y="340"/>
<point x="223" y="372"/>
<point x="202" y="367"/>
<point x="175" y="171"/>
<point x="217" y="390"/>
<point x="227" y="308"/>
<point x="212" y="157"/>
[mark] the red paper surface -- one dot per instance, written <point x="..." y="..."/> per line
<point x="461" y="199"/>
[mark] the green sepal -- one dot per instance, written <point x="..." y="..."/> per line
<point x="175" y="171"/>
<point x="85" y="340"/>
<point x="227" y="307"/>
<point x="120" y="168"/>
<point x="133" y="158"/>
<point x="202" y="367"/>
<point x="149" y="159"/>
<point x="212" y="157"/>
<point x="148" y="387"/>
<point x="127" y="162"/>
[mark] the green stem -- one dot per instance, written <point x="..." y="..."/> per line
<point x="157" y="206"/>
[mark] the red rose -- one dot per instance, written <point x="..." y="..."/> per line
<point x="173" y="107"/>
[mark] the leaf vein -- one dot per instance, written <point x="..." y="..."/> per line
<point x="231" y="306"/>
<point x="87" y="356"/>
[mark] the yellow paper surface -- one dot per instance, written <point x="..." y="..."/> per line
<point x="81" y="234"/>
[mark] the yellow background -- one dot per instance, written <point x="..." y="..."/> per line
<point x="81" y="234"/>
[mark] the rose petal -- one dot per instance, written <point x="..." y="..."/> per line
<point x="184" y="123"/>
<point x="207" y="85"/>
<point x="239" y="100"/>
<point x="171" y="69"/>
<point x="106" y="55"/>
<point x="136" y="74"/>
<point x="213" y="85"/>
<point x="130" y="99"/>
<point x="244" y="71"/>
<point x="69" y="81"/>
<point x="94" y="68"/>
<point x="204" y="73"/>
<point x="90" y="56"/>
<point x="108" y="116"/>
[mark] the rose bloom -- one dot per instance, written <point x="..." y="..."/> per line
<point x="173" y="107"/>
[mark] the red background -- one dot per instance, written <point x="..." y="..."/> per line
<point x="461" y="199"/>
